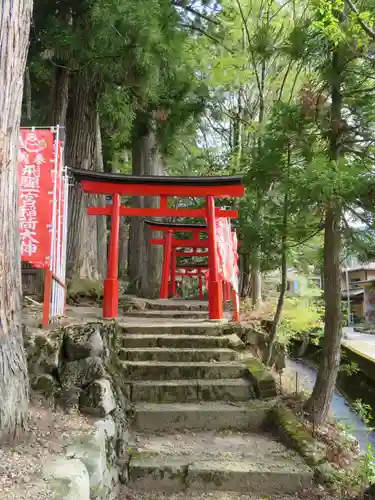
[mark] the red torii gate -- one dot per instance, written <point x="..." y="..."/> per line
<point x="199" y="271"/>
<point x="170" y="254"/>
<point x="170" y="246"/>
<point x="127" y="185"/>
<point x="192" y="271"/>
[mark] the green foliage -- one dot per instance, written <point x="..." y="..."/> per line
<point x="300" y="315"/>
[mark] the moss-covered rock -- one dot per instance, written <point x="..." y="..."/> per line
<point x="264" y="383"/>
<point x="83" y="341"/>
<point x="97" y="399"/>
<point x="235" y="342"/>
<point x="43" y="349"/>
<point x="46" y="385"/>
<point x="128" y="304"/>
<point x="68" y="399"/>
<point x="82" y="372"/>
<point x="68" y="479"/>
<point x="84" y="288"/>
<point x="286" y="425"/>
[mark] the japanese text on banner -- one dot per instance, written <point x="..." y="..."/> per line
<point x="35" y="195"/>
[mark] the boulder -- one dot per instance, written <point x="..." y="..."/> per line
<point x="97" y="399"/>
<point x="82" y="372"/>
<point x="43" y="350"/>
<point x="45" y="384"/>
<point x="84" y="288"/>
<point x="83" y="341"/>
<point x="129" y="303"/>
<point x="235" y="342"/>
<point x="68" y="479"/>
<point x="264" y="383"/>
<point x="96" y="452"/>
<point x="68" y="399"/>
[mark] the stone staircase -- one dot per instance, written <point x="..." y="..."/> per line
<point x="197" y="422"/>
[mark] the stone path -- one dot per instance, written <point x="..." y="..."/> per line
<point x="196" y="420"/>
<point x="362" y="344"/>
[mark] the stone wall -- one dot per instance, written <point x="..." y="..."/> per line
<point x="257" y="341"/>
<point x="76" y="369"/>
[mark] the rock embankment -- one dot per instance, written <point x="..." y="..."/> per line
<point x="76" y="369"/>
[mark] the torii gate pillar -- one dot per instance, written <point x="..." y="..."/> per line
<point x="110" y="301"/>
<point x="164" y="289"/>
<point x="215" y="290"/>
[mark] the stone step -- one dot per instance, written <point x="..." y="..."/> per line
<point x="176" y="341"/>
<point x="155" y="417"/>
<point x="177" y="305"/>
<point x="129" y="493"/>
<point x="177" y="328"/>
<point x="189" y="391"/>
<point x="209" y="461"/>
<point x="176" y="354"/>
<point x="169" y="314"/>
<point x="154" y="370"/>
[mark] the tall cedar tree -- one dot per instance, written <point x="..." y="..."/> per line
<point x="14" y="384"/>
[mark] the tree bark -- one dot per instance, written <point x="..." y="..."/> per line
<point x="82" y="249"/>
<point x="101" y="222"/>
<point x="15" y="18"/>
<point x="123" y="249"/>
<point x="284" y="270"/>
<point x="59" y="97"/>
<point x="145" y="261"/>
<point x="319" y="402"/>
<point x="137" y="255"/>
<point x="256" y="279"/>
<point x="245" y="270"/>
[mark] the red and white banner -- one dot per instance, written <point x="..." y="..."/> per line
<point x="36" y="195"/>
<point x="227" y="252"/>
<point x="43" y="202"/>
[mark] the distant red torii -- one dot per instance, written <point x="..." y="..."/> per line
<point x="170" y="246"/>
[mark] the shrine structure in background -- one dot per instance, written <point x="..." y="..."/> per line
<point x="118" y="185"/>
<point x="43" y="205"/>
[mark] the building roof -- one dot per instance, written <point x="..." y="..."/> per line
<point x="356" y="293"/>
<point x="224" y="180"/>
<point x="370" y="266"/>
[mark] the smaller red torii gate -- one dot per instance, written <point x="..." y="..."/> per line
<point x="199" y="271"/>
<point x="192" y="271"/>
<point x="118" y="185"/>
<point x="171" y="245"/>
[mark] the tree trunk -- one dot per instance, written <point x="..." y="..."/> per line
<point x="15" y="18"/>
<point x="256" y="279"/>
<point x="319" y="402"/>
<point x="123" y="249"/>
<point x="137" y="255"/>
<point x="82" y="251"/>
<point x="145" y="261"/>
<point x="101" y="222"/>
<point x="59" y="97"/>
<point x="245" y="270"/>
<point x="284" y="270"/>
<point x="150" y="283"/>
